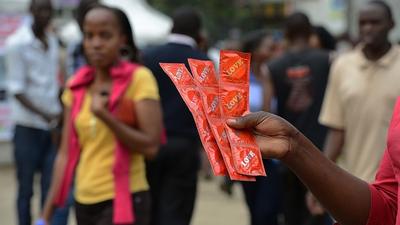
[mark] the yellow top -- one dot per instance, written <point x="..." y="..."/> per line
<point x="94" y="179"/>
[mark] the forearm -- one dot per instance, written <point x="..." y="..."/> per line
<point x="29" y="105"/>
<point x="58" y="174"/>
<point x="346" y="197"/>
<point x="334" y="144"/>
<point x="133" y="138"/>
<point x="60" y="164"/>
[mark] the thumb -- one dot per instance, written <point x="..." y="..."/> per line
<point x="248" y="121"/>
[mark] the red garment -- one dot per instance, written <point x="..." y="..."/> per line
<point x="384" y="198"/>
<point x="121" y="75"/>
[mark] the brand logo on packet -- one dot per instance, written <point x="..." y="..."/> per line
<point x="224" y="136"/>
<point x="194" y="99"/>
<point x="246" y="161"/>
<point x="232" y="69"/>
<point x="205" y="133"/>
<point x="179" y="73"/>
<point x="233" y="102"/>
<point x="204" y="73"/>
<point x="214" y="104"/>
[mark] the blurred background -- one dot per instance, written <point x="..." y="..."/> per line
<point x="225" y="22"/>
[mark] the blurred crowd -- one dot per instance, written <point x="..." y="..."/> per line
<point x="112" y="138"/>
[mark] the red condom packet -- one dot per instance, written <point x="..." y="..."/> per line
<point x="233" y="94"/>
<point x="206" y="80"/>
<point x="183" y="81"/>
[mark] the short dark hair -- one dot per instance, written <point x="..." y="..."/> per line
<point x="297" y="25"/>
<point x="326" y="39"/>
<point x="33" y="3"/>
<point x="253" y="40"/>
<point x="187" y="21"/>
<point x="83" y="7"/>
<point x="385" y="6"/>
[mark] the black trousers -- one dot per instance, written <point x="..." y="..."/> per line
<point x="102" y="213"/>
<point x="173" y="181"/>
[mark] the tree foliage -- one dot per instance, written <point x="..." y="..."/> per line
<point x="220" y="16"/>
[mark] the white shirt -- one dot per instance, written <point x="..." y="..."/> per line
<point x="32" y="71"/>
<point x="182" y="39"/>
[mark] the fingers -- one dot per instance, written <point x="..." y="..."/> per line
<point x="248" y="121"/>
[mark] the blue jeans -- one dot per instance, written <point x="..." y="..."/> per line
<point x="33" y="152"/>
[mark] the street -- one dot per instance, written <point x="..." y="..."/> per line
<point x="212" y="208"/>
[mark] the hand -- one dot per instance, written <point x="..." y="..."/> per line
<point x="313" y="205"/>
<point x="99" y="102"/>
<point x="46" y="214"/>
<point x="56" y="136"/>
<point x="275" y="136"/>
<point x="51" y="118"/>
<point x="42" y="222"/>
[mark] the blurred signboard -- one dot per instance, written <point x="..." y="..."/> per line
<point x="8" y="24"/>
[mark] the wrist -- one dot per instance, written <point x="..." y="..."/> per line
<point x="46" y="213"/>
<point x="44" y="116"/>
<point x="54" y="123"/>
<point x="103" y="114"/>
<point x="100" y="112"/>
<point x="298" y="146"/>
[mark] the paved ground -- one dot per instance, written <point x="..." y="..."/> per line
<point x="212" y="208"/>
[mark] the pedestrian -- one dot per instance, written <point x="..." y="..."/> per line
<point x="263" y="197"/>
<point x="357" y="127"/>
<point x="359" y="80"/>
<point x="113" y="122"/>
<point x="173" y="173"/>
<point x="32" y="63"/>
<point x="323" y="39"/>
<point x="299" y="77"/>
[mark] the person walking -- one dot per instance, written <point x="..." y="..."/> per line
<point x="173" y="173"/>
<point x="299" y="78"/>
<point x="32" y="65"/>
<point x="113" y="118"/>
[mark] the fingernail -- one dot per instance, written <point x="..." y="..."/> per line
<point x="230" y="120"/>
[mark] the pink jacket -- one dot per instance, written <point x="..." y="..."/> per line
<point x="121" y="75"/>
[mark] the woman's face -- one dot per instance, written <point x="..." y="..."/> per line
<point x="102" y="38"/>
<point x="264" y="50"/>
